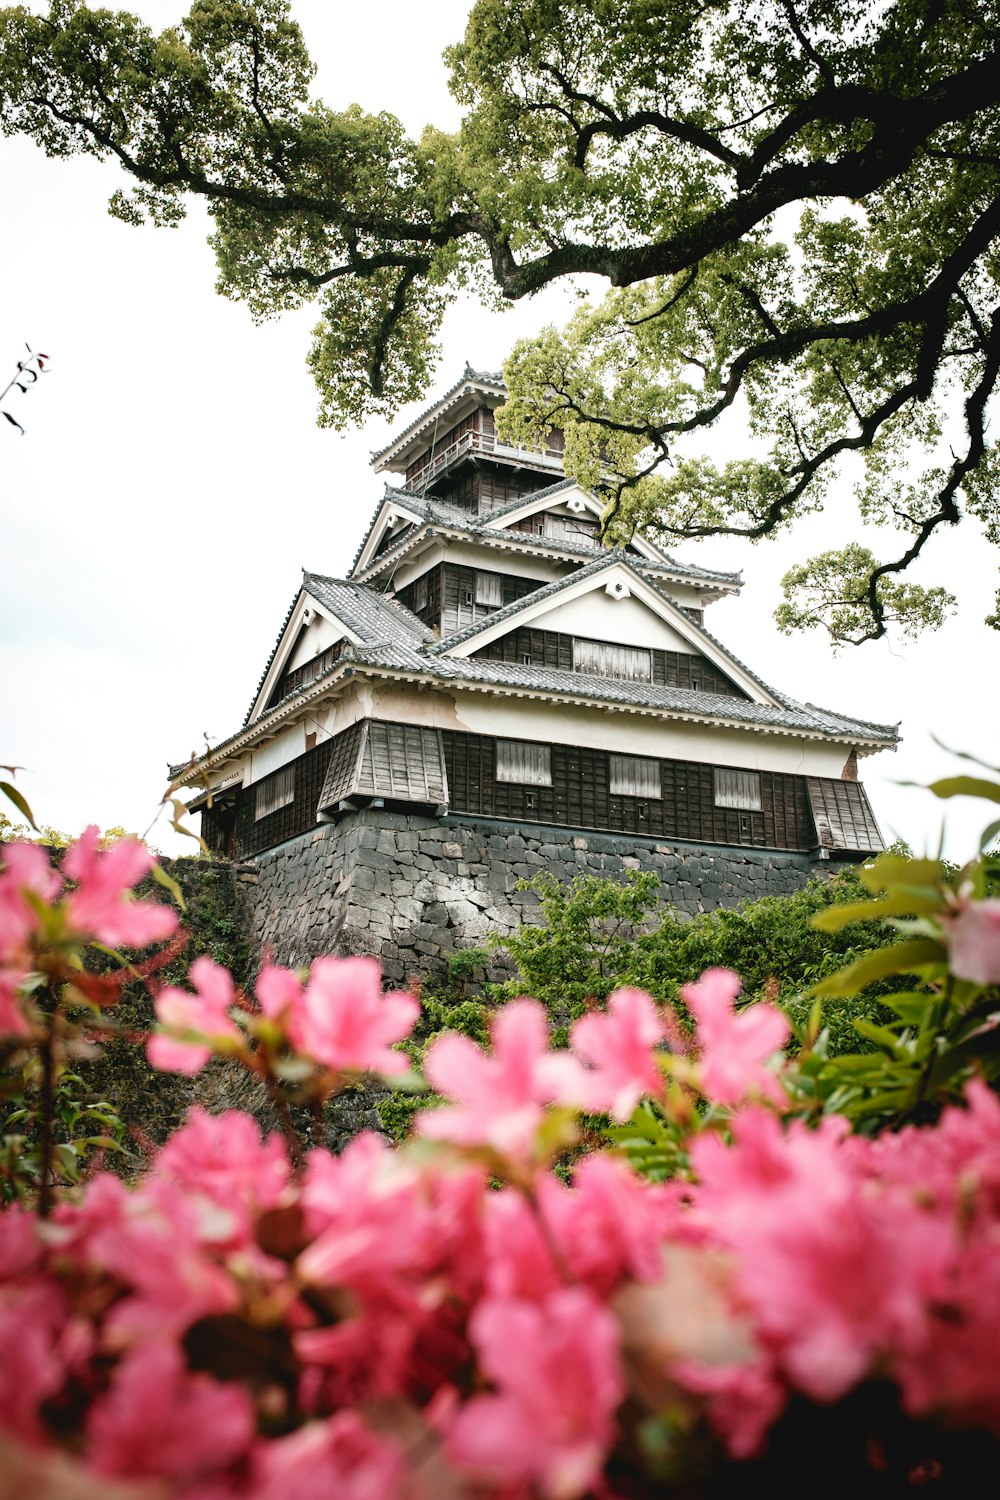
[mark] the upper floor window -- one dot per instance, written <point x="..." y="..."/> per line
<point x="738" y="789"/>
<point x="524" y="762"/>
<point x="274" y="792"/>
<point x="604" y="659"/>
<point x="489" y="590"/>
<point x="635" y="776"/>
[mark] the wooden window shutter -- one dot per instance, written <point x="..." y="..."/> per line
<point x="635" y="776"/>
<point x="739" y="789"/>
<point x="489" y="590"/>
<point x="605" y="659"/>
<point x="524" y="762"/>
<point x="275" y="791"/>
<point x="843" y="817"/>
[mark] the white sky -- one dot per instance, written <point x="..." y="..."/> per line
<point x="173" y="482"/>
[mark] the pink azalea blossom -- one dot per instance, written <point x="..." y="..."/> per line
<point x="345" y="1021"/>
<point x="206" y="1013"/>
<point x="223" y="1158"/>
<point x="558" y="1379"/>
<point x="618" y="1048"/>
<point x="340" y="1457"/>
<point x="279" y="992"/>
<point x="102" y="905"/>
<point x="27" y="868"/>
<point x="32" y="1367"/>
<point x="735" y="1044"/>
<point x="161" y="1421"/>
<point x="974" y="941"/>
<point x="835" y="1273"/>
<point x="500" y="1099"/>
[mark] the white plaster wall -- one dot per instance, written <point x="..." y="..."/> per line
<point x="278" y="753"/>
<point x="628" y="622"/>
<point x="600" y="729"/>
<point x="319" y="634"/>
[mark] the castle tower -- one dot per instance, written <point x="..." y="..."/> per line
<point x="491" y="692"/>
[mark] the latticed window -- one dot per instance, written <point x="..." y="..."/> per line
<point x="489" y="590"/>
<point x="738" y="789"/>
<point x="635" y="776"/>
<point x="420" y="594"/>
<point x="605" y="659"/>
<point x="524" y="762"/>
<point x="274" y="792"/>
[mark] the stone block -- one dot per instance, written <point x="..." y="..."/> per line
<point x="451" y="851"/>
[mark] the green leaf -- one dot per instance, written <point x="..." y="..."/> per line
<point x="13" y="795"/>
<point x="909" y="1005"/>
<point x="168" y="883"/>
<point x="966" y="786"/>
<point x="899" y="903"/>
<point x="902" y="958"/>
<point x="894" y="869"/>
<point x="883" y="1035"/>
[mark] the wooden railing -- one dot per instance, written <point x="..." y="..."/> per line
<point x="482" y="442"/>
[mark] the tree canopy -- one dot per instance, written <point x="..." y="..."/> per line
<point x="795" y="205"/>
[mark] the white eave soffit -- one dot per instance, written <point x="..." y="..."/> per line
<point x="632" y="586"/>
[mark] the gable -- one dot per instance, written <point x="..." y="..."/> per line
<point x="586" y="606"/>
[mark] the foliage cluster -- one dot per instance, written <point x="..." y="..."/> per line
<point x="795" y="207"/>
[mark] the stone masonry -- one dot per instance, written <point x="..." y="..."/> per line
<point x="413" y="889"/>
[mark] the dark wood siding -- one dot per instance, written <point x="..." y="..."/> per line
<point x="341" y="766"/>
<point x="297" y="816"/>
<point x="290" y="682"/>
<point x="580" y="797"/>
<point x="551" y="648"/>
<point x="458" y="605"/>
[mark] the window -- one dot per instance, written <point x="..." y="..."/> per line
<point x="520" y="761"/>
<point x="603" y="659"/>
<point x="738" y="789"/>
<point x="420" y="594"/>
<point x="635" y="776"/>
<point x="275" y="791"/>
<point x="488" y="590"/>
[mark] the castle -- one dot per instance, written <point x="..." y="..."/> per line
<point x="492" y="691"/>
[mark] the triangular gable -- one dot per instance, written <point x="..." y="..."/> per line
<point x="616" y="580"/>
<point x="303" y="612"/>
<point x="569" y="501"/>
<point x="388" y="517"/>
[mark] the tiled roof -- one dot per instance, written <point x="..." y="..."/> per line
<point x="365" y="612"/>
<point x="651" y="695"/>
<point x="475" y="377"/>
<point x="433" y="511"/>
<point x="373" y="616"/>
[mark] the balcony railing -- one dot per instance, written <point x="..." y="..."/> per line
<point x="483" y="442"/>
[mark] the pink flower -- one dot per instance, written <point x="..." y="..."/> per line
<point x="278" y="991"/>
<point x="343" y="1019"/>
<point x="103" y="905"/>
<point x="974" y="941"/>
<point x="556" y="1369"/>
<point x="27" y="868"/>
<point x="618" y="1046"/>
<point x="735" y="1044"/>
<point x="205" y="1013"/>
<point x="161" y="1421"/>
<point x="836" y="1274"/>
<point x="340" y="1457"/>
<point x="501" y="1098"/>
<point x="32" y="1368"/>
<point x="223" y="1158"/>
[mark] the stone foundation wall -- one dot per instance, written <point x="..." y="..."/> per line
<point x="412" y="889"/>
